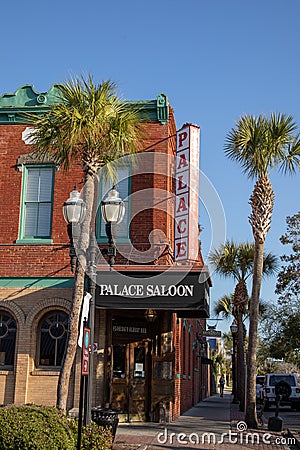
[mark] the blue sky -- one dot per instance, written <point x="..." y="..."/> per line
<point x="215" y="59"/>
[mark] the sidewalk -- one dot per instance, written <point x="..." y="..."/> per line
<point x="215" y="423"/>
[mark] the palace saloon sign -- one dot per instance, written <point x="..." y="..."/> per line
<point x="139" y="290"/>
<point x="187" y="183"/>
<point x="142" y="290"/>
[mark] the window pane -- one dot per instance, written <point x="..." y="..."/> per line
<point x="119" y="362"/>
<point x="123" y="176"/>
<point x="53" y="338"/>
<point x="139" y="362"/>
<point x="61" y="344"/>
<point x="47" y="352"/>
<point x="32" y="188"/>
<point x="8" y="329"/>
<point x="44" y="219"/>
<point x="45" y="191"/>
<point x="31" y="215"/>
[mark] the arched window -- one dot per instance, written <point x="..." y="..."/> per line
<point x="53" y="337"/>
<point x="8" y="330"/>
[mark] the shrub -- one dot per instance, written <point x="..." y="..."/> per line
<point x="96" y="437"/>
<point x="35" y="428"/>
<point x="40" y="428"/>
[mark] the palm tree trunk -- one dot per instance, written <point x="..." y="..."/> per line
<point x="64" y="377"/>
<point x="240" y="300"/>
<point x="241" y="361"/>
<point x="250" y="416"/>
<point x="77" y="297"/>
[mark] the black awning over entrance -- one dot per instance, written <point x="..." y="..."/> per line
<point x="177" y="291"/>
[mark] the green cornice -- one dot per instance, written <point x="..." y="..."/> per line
<point x="27" y="100"/>
<point x="26" y="96"/>
<point x="36" y="282"/>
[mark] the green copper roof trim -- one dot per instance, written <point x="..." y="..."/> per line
<point x="38" y="282"/>
<point x="26" y="96"/>
<point x="26" y="99"/>
<point x="162" y="105"/>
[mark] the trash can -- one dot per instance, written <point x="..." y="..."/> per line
<point x="106" y="417"/>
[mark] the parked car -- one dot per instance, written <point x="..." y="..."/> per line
<point x="283" y="384"/>
<point x="259" y="385"/>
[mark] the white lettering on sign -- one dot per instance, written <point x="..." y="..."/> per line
<point x="131" y="290"/>
<point x="129" y="329"/>
<point x="151" y="290"/>
<point x="187" y="181"/>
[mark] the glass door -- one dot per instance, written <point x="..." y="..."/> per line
<point x="130" y="380"/>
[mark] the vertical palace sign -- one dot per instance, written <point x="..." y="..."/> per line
<point x="187" y="185"/>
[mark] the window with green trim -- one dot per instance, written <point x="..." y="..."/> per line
<point x="37" y="203"/>
<point x="123" y="186"/>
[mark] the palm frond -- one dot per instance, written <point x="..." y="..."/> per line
<point x="224" y="306"/>
<point x="223" y="260"/>
<point x="261" y="144"/>
<point x="271" y="265"/>
<point x="291" y="163"/>
<point x="90" y="125"/>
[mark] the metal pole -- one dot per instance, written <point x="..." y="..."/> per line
<point x="72" y="251"/>
<point x="81" y="395"/>
<point x="111" y="231"/>
<point x="92" y="273"/>
<point x="235" y="400"/>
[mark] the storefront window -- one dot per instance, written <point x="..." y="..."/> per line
<point x="119" y="361"/>
<point x="8" y="331"/>
<point x="163" y="370"/>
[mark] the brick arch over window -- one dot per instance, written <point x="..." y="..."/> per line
<point x="45" y="305"/>
<point x="37" y="313"/>
<point x="12" y="308"/>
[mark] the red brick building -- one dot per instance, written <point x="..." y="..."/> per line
<point x="140" y="367"/>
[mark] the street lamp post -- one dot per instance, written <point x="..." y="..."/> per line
<point x="112" y="210"/>
<point x="233" y="329"/>
<point x="92" y="274"/>
<point x="74" y="210"/>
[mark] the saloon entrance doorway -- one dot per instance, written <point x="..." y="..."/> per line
<point x="130" y="380"/>
<point x="130" y="368"/>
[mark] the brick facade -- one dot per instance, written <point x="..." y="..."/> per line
<point x="36" y="279"/>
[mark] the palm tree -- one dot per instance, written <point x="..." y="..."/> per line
<point x="89" y="124"/>
<point x="236" y="261"/>
<point x="261" y="144"/>
<point x="224" y="306"/>
<point x="218" y="367"/>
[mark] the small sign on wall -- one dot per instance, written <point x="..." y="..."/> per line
<point x="85" y="351"/>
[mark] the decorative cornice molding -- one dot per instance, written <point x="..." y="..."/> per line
<point x="26" y="100"/>
<point x="11" y="307"/>
<point x="26" y="96"/>
<point x="32" y="159"/>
